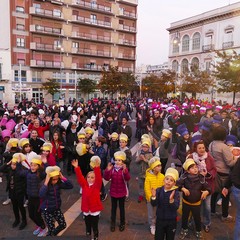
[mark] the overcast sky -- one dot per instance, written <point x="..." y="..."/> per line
<point x="154" y="16"/>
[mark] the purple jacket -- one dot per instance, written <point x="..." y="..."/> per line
<point x="118" y="187"/>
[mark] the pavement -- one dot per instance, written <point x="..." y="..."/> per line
<point x="136" y="216"/>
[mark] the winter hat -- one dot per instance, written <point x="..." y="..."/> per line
<point x="123" y="137"/>
<point x="95" y="161"/>
<point x="173" y="173"/>
<point x="53" y="171"/>
<point x="16" y="156"/>
<point x="153" y="162"/>
<point x="47" y="147"/>
<point x="231" y="139"/>
<point x="120" y="155"/>
<point x="189" y="162"/>
<point x="81" y="149"/>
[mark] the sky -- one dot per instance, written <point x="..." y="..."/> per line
<point x="155" y="16"/>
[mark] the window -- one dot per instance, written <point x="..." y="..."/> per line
<point x="184" y="66"/>
<point x="21" y="61"/>
<point x="185" y="43"/>
<point x="93" y="18"/>
<point x="75" y="44"/>
<point x="19" y="9"/>
<point x="21" y="42"/>
<point x="20" y="27"/>
<point x="57" y="13"/>
<point x="23" y="75"/>
<point x="195" y="63"/>
<point x="57" y="44"/>
<point x="175" y="48"/>
<point x="196" y="41"/>
<point x="175" y="66"/>
<point x="37" y="95"/>
<point x="121" y="22"/>
<point x="36" y="76"/>
<point x="208" y="66"/>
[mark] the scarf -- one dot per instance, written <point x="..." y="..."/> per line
<point x="200" y="161"/>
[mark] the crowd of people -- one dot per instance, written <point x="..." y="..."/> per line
<point x="187" y="159"/>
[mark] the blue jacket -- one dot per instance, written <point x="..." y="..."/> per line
<point x="50" y="195"/>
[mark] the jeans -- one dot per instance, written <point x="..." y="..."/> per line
<point x="236" y="195"/>
<point x="206" y="211"/>
<point x="151" y="214"/>
<point x="225" y="202"/>
<point x="141" y="186"/>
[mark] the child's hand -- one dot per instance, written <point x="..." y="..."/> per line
<point x="109" y="166"/>
<point x="171" y="197"/>
<point x="204" y="194"/>
<point x="47" y="179"/>
<point x="124" y="167"/>
<point x="153" y="190"/>
<point x="61" y="176"/>
<point x="75" y="163"/>
<point x="185" y="191"/>
<point x="225" y="192"/>
<point x="62" y="147"/>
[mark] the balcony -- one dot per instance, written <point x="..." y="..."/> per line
<point x="127" y="28"/>
<point x="58" y="2"/>
<point x="44" y="47"/>
<point x="91" y="37"/>
<point x="92" y="6"/>
<point x="208" y="48"/>
<point x="46" y="64"/>
<point x="130" y="2"/>
<point x="86" y="51"/>
<point x="88" y="67"/>
<point x="46" y="13"/>
<point x="127" y="14"/>
<point x="90" y="21"/>
<point x="126" y="56"/>
<point x="126" y="42"/>
<point x="125" y="69"/>
<point x="46" y="30"/>
<point x="227" y="45"/>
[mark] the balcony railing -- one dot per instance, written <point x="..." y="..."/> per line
<point x="92" y="5"/>
<point x="91" y="37"/>
<point x="91" y="21"/>
<point x="127" y="14"/>
<point x="127" y="42"/>
<point x="208" y="48"/>
<point x="59" y="2"/>
<point x="226" y="45"/>
<point x="46" y="64"/>
<point x="47" y="30"/>
<point x="87" y="51"/>
<point x="127" y="28"/>
<point x="125" y="69"/>
<point x="90" y="67"/>
<point x="126" y="56"/>
<point x="44" y="47"/>
<point x="45" y="12"/>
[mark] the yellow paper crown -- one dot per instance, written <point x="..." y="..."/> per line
<point x="146" y="142"/>
<point x="16" y="156"/>
<point x="95" y="161"/>
<point x="23" y="142"/>
<point x="166" y="133"/>
<point x="47" y="147"/>
<point x="188" y="163"/>
<point x="89" y="130"/>
<point x="153" y="162"/>
<point x="37" y="161"/>
<point x="81" y="149"/>
<point x="13" y="142"/>
<point x="53" y="171"/>
<point x="120" y="155"/>
<point x="173" y="173"/>
<point x="123" y="137"/>
<point x="114" y="135"/>
<point x="81" y="135"/>
<point x="144" y="136"/>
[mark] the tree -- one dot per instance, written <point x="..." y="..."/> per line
<point x="196" y="81"/>
<point x="51" y="86"/>
<point x="127" y="83"/>
<point x="87" y="85"/>
<point x="227" y="72"/>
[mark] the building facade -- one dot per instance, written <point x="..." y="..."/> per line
<point x="192" y="41"/>
<point x="65" y="40"/>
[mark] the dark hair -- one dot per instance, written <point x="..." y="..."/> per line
<point x="24" y="146"/>
<point x="219" y="133"/>
<point x="102" y="139"/>
<point x="195" y="145"/>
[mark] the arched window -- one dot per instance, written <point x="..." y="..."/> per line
<point x="184" y="66"/>
<point x="195" y="63"/>
<point x="175" y="66"/>
<point x="185" y="43"/>
<point x="196" y="41"/>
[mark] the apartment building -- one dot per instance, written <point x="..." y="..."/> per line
<point x="192" y="41"/>
<point x="67" y="40"/>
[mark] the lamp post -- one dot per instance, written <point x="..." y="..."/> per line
<point x="60" y="48"/>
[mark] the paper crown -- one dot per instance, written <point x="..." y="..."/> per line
<point x="114" y="135"/>
<point x="173" y="173"/>
<point x="120" y="155"/>
<point x="206" y="125"/>
<point x="10" y="125"/>
<point x="93" y="118"/>
<point x="95" y="161"/>
<point x="166" y="133"/>
<point x="17" y="156"/>
<point x="36" y="159"/>
<point x="65" y="124"/>
<point x="217" y="119"/>
<point x="145" y="136"/>
<point x="123" y="137"/>
<point x="23" y="142"/>
<point x="182" y="129"/>
<point x="3" y="122"/>
<point x="25" y="134"/>
<point x="231" y="139"/>
<point x="146" y="142"/>
<point x="188" y="163"/>
<point x="89" y="130"/>
<point x="47" y="147"/>
<point x="81" y="149"/>
<point x="89" y="121"/>
<point x="13" y="142"/>
<point x="196" y="138"/>
<point x="6" y="133"/>
<point x="53" y="171"/>
<point x="153" y="162"/>
<point x="81" y="135"/>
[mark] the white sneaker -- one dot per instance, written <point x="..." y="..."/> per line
<point x="219" y="202"/>
<point x="7" y="201"/>
<point x="36" y="231"/>
<point x="152" y="230"/>
<point x="26" y="203"/>
<point x="43" y="232"/>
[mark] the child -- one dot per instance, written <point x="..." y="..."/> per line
<point x="123" y="141"/>
<point x="36" y="142"/>
<point x="167" y="200"/>
<point x="154" y="179"/>
<point x="16" y="187"/>
<point x="34" y="177"/>
<point x="113" y="145"/>
<point x="47" y="154"/>
<point x="143" y="159"/>
<point x="194" y="189"/>
<point x="163" y="150"/>
<point x="91" y="203"/>
<point x="119" y="175"/>
<point x="51" y="199"/>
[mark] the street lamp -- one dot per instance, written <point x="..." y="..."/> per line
<point x="61" y="49"/>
